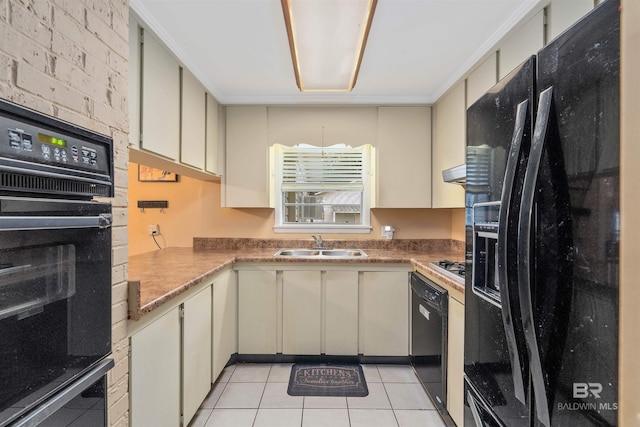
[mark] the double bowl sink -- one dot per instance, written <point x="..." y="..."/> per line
<point x="321" y="253"/>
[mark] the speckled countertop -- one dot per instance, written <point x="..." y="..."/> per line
<point x="157" y="277"/>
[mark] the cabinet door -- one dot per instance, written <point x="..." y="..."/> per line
<point x="323" y="126"/>
<point x="155" y="373"/>
<point x="225" y="322"/>
<point x="193" y="121"/>
<point x="196" y="356"/>
<point x="523" y="43"/>
<point x="341" y="313"/>
<point x="385" y="314"/>
<point x="403" y="151"/>
<point x="563" y="14"/>
<point x="482" y="79"/>
<point x="160" y="100"/>
<point x="301" y="312"/>
<point x="455" y="362"/>
<point x="212" y="147"/>
<point x="257" y="307"/>
<point x="449" y="147"/>
<point x="246" y="182"/>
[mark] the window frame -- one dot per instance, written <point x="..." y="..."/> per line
<point x="276" y="152"/>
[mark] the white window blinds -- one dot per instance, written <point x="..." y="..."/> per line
<point x="314" y="168"/>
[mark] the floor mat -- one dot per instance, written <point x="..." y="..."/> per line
<point x="327" y="380"/>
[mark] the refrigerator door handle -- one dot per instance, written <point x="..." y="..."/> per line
<point x="475" y="412"/>
<point x="502" y="248"/>
<point x="525" y="224"/>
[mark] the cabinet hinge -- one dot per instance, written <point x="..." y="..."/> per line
<point x="181" y="312"/>
<point x="182" y="420"/>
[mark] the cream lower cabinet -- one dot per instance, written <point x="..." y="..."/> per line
<point x="455" y="361"/>
<point x="320" y="312"/>
<point x="301" y="312"/>
<point x="257" y="312"/>
<point x="384" y="313"/>
<point x="155" y="373"/>
<point x="170" y="373"/>
<point x="225" y="322"/>
<point x="196" y="352"/>
<point x="341" y="313"/>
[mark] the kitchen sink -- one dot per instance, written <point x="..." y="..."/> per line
<point x="321" y="253"/>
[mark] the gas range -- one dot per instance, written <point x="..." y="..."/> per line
<point x="452" y="269"/>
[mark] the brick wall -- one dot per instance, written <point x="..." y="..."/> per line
<point x="68" y="59"/>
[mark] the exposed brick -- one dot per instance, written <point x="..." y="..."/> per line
<point x="4" y="5"/>
<point x="120" y="255"/>
<point x="120" y="236"/>
<point x="6" y="68"/>
<point x="73" y="8"/>
<point x="119" y="292"/>
<point x="67" y="49"/>
<point x="69" y="27"/>
<point x="120" y="331"/>
<point x="28" y="23"/>
<point x="119" y="62"/>
<point x="102" y="9"/>
<point x="103" y="31"/>
<point x="118" y="412"/>
<point x="120" y="217"/>
<point x="10" y="40"/>
<point x="119" y="273"/>
<point x="40" y="8"/>
<point x="120" y="21"/>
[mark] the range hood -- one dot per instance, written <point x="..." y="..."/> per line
<point x="455" y="175"/>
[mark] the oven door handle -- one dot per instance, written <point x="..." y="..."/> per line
<point x="32" y="223"/>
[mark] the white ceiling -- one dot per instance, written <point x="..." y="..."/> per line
<point x="416" y="49"/>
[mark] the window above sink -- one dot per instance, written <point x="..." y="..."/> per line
<point x="325" y="189"/>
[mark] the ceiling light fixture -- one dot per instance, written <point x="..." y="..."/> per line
<point x="327" y="40"/>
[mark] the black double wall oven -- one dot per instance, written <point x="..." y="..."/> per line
<point x="55" y="271"/>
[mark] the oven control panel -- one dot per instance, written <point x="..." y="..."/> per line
<point x="29" y="143"/>
<point x="41" y="154"/>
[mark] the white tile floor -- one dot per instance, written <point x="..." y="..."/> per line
<point x="255" y="395"/>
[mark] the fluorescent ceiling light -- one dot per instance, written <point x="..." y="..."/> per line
<point x="327" y="40"/>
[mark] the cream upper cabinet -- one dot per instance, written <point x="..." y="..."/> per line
<point x="193" y="121"/>
<point x="449" y="147"/>
<point x="322" y="126"/>
<point x="246" y="182"/>
<point x="520" y="45"/>
<point x="160" y="99"/>
<point x="562" y="14"/>
<point x="384" y="314"/>
<point x="482" y="79"/>
<point x="403" y="153"/>
<point x="212" y="136"/>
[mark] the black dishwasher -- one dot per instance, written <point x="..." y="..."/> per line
<point x="429" y="305"/>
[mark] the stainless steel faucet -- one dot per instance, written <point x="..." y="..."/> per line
<point x="318" y="240"/>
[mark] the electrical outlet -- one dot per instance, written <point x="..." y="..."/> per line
<point x="154" y="229"/>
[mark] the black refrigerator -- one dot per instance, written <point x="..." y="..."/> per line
<point x="542" y="233"/>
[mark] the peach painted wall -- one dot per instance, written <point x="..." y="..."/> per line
<point x="194" y="211"/>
